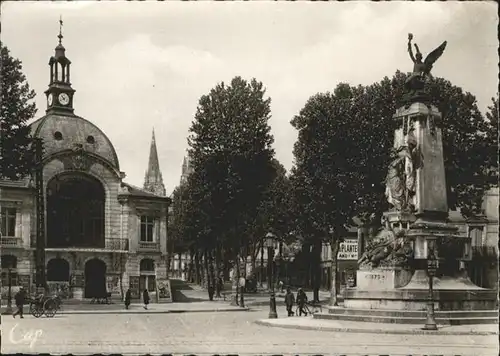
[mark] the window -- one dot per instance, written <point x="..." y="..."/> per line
<point x="58" y="135"/>
<point x="90" y="139"/>
<point x="9" y="261"/>
<point x="5" y="277"/>
<point x="147" y="225"/>
<point x="151" y="284"/>
<point x="476" y="235"/>
<point x="8" y="223"/>
<point x="147" y="265"/>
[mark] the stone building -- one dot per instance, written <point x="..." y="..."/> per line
<point x="102" y="235"/>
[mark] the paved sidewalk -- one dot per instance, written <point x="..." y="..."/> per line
<point x="308" y="323"/>
<point x="193" y="307"/>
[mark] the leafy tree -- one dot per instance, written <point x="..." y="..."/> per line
<point x="323" y="176"/>
<point x="230" y="147"/>
<point x="492" y="138"/>
<point x="273" y="212"/>
<point x="17" y="108"/>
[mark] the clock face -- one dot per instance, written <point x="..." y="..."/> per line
<point x="50" y="98"/>
<point x="64" y="99"/>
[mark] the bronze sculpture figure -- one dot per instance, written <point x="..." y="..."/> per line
<point x="421" y="70"/>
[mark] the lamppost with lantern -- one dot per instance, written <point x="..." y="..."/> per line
<point x="269" y="241"/>
<point x="432" y="266"/>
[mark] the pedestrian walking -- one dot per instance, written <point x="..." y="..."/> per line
<point x="301" y="301"/>
<point x="289" y="301"/>
<point x="281" y="285"/>
<point x="219" y="287"/>
<point x="20" y="299"/>
<point x="145" y="297"/>
<point x="128" y="297"/>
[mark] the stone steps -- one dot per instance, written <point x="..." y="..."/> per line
<point x="414" y="313"/>
<point x="406" y="320"/>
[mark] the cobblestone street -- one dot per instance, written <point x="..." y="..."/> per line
<point x="208" y="333"/>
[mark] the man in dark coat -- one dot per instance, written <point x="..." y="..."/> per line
<point x="289" y="301"/>
<point x="145" y="297"/>
<point x="301" y="301"/>
<point x="20" y="298"/>
<point x="128" y="297"/>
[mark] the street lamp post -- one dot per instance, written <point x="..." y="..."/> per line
<point x="262" y="263"/>
<point x="41" y="281"/>
<point x="432" y="264"/>
<point x="270" y="258"/>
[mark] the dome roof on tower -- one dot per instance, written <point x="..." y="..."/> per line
<point x="66" y="132"/>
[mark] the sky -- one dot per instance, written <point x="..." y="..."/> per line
<point x="143" y="65"/>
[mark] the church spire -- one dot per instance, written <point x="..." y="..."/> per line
<point x="153" y="181"/>
<point x="187" y="169"/>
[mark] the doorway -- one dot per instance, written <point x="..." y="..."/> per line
<point x="147" y="278"/>
<point x="95" y="279"/>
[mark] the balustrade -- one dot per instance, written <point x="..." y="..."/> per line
<point x="7" y="241"/>
<point x="149" y="246"/>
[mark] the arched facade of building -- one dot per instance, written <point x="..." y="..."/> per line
<point x="94" y="222"/>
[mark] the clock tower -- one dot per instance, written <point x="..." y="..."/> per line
<point x="59" y="94"/>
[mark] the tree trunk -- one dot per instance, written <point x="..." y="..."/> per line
<point x="217" y="271"/>
<point x="191" y="266"/>
<point x="203" y="269"/>
<point x="211" y="270"/>
<point x="206" y="274"/>
<point x="316" y="269"/>
<point x="253" y="264"/>
<point x="334" y="245"/>
<point x="217" y="261"/>
<point x="237" y="266"/>
<point x="262" y="274"/>
<point x="180" y="266"/>
<point x="197" y="267"/>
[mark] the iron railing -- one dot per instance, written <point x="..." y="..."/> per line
<point x="149" y="246"/>
<point x="113" y="244"/>
<point x="7" y="241"/>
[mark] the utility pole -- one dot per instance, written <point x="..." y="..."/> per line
<point x="41" y="283"/>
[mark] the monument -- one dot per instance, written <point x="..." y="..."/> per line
<point x="417" y="262"/>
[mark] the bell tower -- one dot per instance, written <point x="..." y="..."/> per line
<point x="60" y="93"/>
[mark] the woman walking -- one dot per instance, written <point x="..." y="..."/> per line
<point x="128" y="297"/>
<point x="145" y="297"/>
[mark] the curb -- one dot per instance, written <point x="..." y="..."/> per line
<point x="374" y="331"/>
<point x="180" y="311"/>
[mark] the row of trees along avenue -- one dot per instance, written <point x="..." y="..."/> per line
<point x="238" y="191"/>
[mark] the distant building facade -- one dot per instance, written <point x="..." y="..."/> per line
<point x="102" y="235"/>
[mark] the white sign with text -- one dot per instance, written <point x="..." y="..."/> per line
<point x="348" y="250"/>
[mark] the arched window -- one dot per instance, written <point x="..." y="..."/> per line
<point x="75" y="211"/>
<point x="9" y="262"/>
<point x="58" y="270"/>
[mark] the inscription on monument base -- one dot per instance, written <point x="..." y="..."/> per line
<point x="382" y="279"/>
